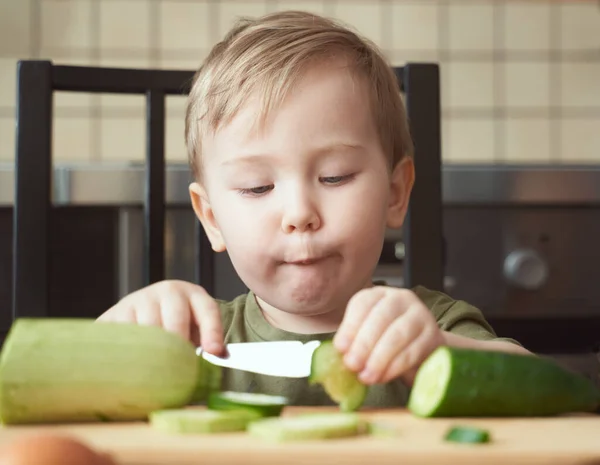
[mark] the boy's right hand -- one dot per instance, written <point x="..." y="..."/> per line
<point x="177" y="306"/>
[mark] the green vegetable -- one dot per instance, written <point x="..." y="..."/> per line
<point x="340" y="383"/>
<point x="264" y="405"/>
<point x="465" y="434"/>
<point x="196" y="421"/>
<point x="465" y="382"/>
<point x="73" y="370"/>
<point x="210" y="378"/>
<point x="308" y="426"/>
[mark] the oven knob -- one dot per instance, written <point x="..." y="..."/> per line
<point x="525" y="268"/>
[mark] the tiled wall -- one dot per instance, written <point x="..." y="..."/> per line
<point x="520" y="79"/>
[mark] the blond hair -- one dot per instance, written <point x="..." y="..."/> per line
<point x="267" y="55"/>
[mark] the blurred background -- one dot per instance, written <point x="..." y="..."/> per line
<point x="520" y="79"/>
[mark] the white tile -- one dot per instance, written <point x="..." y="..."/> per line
<point x="580" y="22"/>
<point x="415" y="26"/>
<point x="528" y="140"/>
<point x="365" y="18"/>
<point x="401" y="57"/>
<point x="185" y="25"/>
<point x="468" y="141"/>
<point x="527" y="26"/>
<point x="471" y="26"/>
<point x="125" y="24"/>
<point x="175" y="147"/>
<point x="15" y="30"/>
<point x="135" y="103"/>
<point x="187" y="64"/>
<point x="470" y="85"/>
<point x="310" y="6"/>
<point x="580" y="84"/>
<point x="122" y="139"/>
<point x="8" y="81"/>
<point x="66" y="24"/>
<point x="7" y="139"/>
<point x="72" y="139"/>
<point x="230" y="12"/>
<point x="581" y="141"/>
<point x="527" y="84"/>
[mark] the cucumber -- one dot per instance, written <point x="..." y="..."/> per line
<point x="464" y="382"/>
<point x="308" y="426"/>
<point x="340" y="383"/>
<point x="468" y="435"/>
<point x="210" y="378"/>
<point x="264" y="405"/>
<point x="75" y="370"/>
<point x="196" y="421"/>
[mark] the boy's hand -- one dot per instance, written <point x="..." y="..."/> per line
<point x="177" y="306"/>
<point x="386" y="333"/>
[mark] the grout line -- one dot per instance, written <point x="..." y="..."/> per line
<point x="458" y="56"/>
<point x="213" y="21"/>
<point x="555" y="84"/>
<point x="387" y="27"/>
<point x="154" y="54"/>
<point x="533" y="113"/>
<point x="499" y="83"/>
<point x="95" y="100"/>
<point x="35" y="28"/>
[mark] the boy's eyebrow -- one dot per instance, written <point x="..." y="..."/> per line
<point x="266" y="158"/>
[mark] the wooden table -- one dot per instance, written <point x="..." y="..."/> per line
<point x="573" y="439"/>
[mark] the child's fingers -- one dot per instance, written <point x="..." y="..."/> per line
<point x="356" y="313"/>
<point x="399" y="335"/>
<point x="378" y="319"/>
<point x="207" y="315"/>
<point x="407" y="361"/>
<point x="176" y="314"/>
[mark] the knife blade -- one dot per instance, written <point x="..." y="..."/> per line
<point x="289" y="359"/>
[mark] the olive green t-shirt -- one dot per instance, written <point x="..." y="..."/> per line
<point x="243" y="321"/>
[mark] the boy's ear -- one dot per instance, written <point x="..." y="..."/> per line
<point x="402" y="180"/>
<point x="204" y="212"/>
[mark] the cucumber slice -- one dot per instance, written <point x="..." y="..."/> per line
<point x="209" y="380"/>
<point x="465" y="382"/>
<point x="340" y="383"/>
<point x="264" y="405"/>
<point x="467" y="434"/>
<point x="308" y="426"/>
<point x="194" y="421"/>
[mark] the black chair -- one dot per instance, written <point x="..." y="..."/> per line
<point x="32" y="217"/>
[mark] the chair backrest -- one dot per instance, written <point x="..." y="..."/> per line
<point x="38" y="79"/>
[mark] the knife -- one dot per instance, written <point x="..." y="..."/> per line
<point x="289" y="359"/>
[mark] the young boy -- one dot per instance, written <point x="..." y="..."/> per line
<point x="301" y="153"/>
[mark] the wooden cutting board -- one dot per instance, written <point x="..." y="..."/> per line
<point x="573" y="439"/>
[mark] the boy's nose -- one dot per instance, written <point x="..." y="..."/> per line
<point x="300" y="215"/>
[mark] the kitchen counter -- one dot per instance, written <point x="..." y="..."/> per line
<point x="123" y="184"/>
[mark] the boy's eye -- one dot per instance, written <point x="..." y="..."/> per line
<point x="256" y="190"/>
<point x="336" y="179"/>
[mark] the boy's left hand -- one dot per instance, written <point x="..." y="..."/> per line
<point x="386" y="333"/>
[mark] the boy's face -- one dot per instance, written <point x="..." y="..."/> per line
<point x="302" y="205"/>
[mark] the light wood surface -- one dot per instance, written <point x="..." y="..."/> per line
<point x="573" y="439"/>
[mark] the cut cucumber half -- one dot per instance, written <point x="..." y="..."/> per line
<point x="308" y="426"/>
<point x="340" y="383"/>
<point x="467" y="434"/>
<point x="209" y="380"/>
<point x="194" y="421"/>
<point x="465" y="382"/>
<point x="263" y="404"/>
